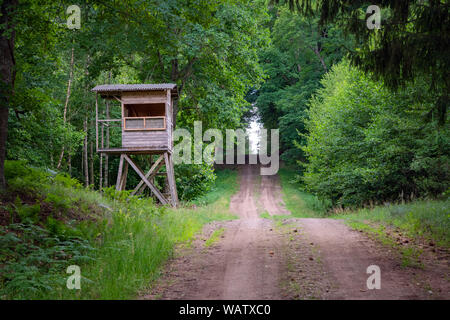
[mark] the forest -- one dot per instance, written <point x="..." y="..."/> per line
<point x="361" y="112"/>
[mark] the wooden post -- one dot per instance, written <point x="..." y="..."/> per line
<point x="119" y="173"/>
<point x="123" y="182"/>
<point x="91" y="165"/>
<point x="96" y="121"/>
<point x="106" y="184"/>
<point x="100" y="183"/>
<point x="174" y="183"/>
<point x="171" y="179"/>
<point x="150" y="175"/>
<point x="85" y="153"/>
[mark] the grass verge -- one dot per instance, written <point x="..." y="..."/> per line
<point x="424" y="220"/>
<point x="50" y="222"/>
<point x="215" y="236"/>
<point x="410" y="255"/>
<point x="301" y="204"/>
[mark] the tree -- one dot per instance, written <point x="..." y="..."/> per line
<point x="366" y="143"/>
<point x="300" y="54"/>
<point x="413" y="41"/>
<point x="7" y="70"/>
<point x="209" y="48"/>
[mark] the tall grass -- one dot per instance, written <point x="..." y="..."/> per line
<point x="428" y="219"/>
<point x="126" y="243"/>
<point x="227" y="184"/>
<point x="300" y="203"/>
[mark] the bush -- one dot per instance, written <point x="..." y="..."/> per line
<point x="366" y="143"/>
<point x="23" y="179"/>
<point x="194" y="180"/>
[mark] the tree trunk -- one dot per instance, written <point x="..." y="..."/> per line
<point x="69" y="163"/>
<point x="85" y="144"/>
<point x="85" y="154"/>
<point x="100" y="171"/>
<point x="69" y="86"/>
<point x="317" y="53"/>
<point x="107" y="145"/>
<point x="91" y="167"/>
<point x="7" y="74"/>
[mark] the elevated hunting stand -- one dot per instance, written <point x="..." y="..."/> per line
<point x="146" y="129"/>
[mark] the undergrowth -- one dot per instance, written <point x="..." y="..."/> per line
<point x="49" y="222"/>
<point x="301" y="204"/>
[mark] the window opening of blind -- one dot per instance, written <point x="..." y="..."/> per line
<point x="150" y="116"/>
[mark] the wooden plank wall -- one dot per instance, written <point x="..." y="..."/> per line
<point x="145" y="139"/>
<point x="144" y="97"/>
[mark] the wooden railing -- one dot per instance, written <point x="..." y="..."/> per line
<point x="144" y="123"/>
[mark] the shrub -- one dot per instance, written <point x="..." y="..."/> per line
<point x="366" y="143"/>
<point x="63" y="179"/>
<point x="24" y="179"/>
<point x="194" y="180"/>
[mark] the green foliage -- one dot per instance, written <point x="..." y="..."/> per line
<point x="64" y="180"/>
<point x="300" y="54"/>
<point x="21" y="178"/>
<point x="298" y="202"/>
<point x="418" y="219"/>
<point x="215" y="237"/>
<point x="208" y="48"/>
<point x="27" y="213"/>
<point x="226" y="184"/>
<point x="193" y="180"/>
<point x="366" y="143"/>
<point x="412" y="42"/>
<point x="15" y="169"/>
<point x="59" y="202"/>
<point x="119" y="248"/>
<point x="33" y="260"/>
<point x="113" y="194"/>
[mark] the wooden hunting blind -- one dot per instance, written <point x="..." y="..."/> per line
<point x="146" y="124"/>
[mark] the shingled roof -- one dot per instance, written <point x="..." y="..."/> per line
<point x="109" y="89"/>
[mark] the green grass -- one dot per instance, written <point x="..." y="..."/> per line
<point x="226" y="185"/>
<point x="410" y="256"/>
<point x="420" y="219"/>
<point x="301" y="204"/>
<point x="119" y="253"/>
<point x="215" y="236"/>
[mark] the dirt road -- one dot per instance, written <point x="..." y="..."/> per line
<point x="298" y="259"/>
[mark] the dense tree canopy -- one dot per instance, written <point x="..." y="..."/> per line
<point x="208" y="48"/>
<point x="224" y="54"/>
<point x="413" y="41"/>
<point x="366" y="143"/>
<point x="294" y="64"/>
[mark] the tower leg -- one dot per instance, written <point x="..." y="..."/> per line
<point x="123" y="182"/>
<point x="144" y="178"/>
<point x="119" y="173"/>
<point x="171" y="179"/>
<point x="147" y="180"/>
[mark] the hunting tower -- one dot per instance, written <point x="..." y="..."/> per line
<point x="146" y="122"/>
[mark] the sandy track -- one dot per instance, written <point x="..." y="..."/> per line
<point x="347" y="254"/>
<point x="304" y="259"/>
<point x="245" y="264"/>
<point x="252" y="263"/>
<point x="271" y="196"/>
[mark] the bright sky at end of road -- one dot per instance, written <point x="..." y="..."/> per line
<point x="254" y="133"/>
